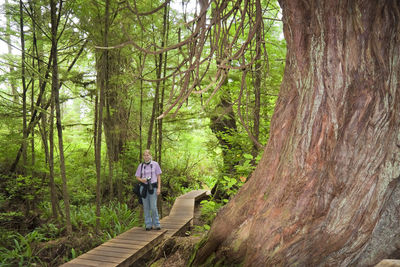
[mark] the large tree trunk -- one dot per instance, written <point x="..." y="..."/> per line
<point x="327" y="189"/>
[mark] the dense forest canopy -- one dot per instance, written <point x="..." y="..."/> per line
<point x="86" y="86"/>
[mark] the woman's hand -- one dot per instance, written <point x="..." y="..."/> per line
<point x="158" y="191"/>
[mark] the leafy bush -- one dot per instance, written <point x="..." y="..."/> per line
<point x="209" y="210"/>
<point x="23" y="250"/>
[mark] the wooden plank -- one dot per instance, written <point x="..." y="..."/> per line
<point x="194" y="194"/>
<point x="78" y="262"/>
<point x="183" y="201"/>
<point x="181" y="214"/>
<point x="122" y="253"/>
<point x="183" y="207"/>
<point x="178" y="215"/>
<point x="180" y="208"/>
<point x="177" y="220"/>
<point x="115" y="241"/>
<point x="172" y="224"/>
<point x="116" y="249"/>
<point x="102" y="259"/>
<point x="185" y="210"/>
<point x="69" y="264"/>
<point x="182" y="220"/>
<point x="123" y="245"/>
<point x="132" y="236"/>
<point x="136" y="237"/>
<point x="138" y="230"/>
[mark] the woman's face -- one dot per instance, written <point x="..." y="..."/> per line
<point x="146" y="157"/>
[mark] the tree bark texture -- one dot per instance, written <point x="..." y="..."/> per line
<point x="327" y="190"/>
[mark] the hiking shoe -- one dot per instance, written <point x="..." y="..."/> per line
<point x="158" y="228"/>
<point x="148" y="229"/>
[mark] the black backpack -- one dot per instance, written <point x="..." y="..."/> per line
<point x="136" y="191"/>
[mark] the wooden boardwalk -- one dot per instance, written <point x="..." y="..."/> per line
<point x="130" y="246"/>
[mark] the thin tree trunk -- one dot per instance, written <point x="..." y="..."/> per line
<point x="103" y="64"/>
<point x="24" y="87"/>
<point x="32" y="109"/>
<point x="110" y="176"/>
<point x="13" y="85"/>
<point x="327" y="190"/>
<point x="257" y="95"/>
<point x="52" y="184"/>
<point x="164" y="62"/>
<point x="141" y="121"/>
<point x="155" y="106"/>
<point x="56" y="89"/>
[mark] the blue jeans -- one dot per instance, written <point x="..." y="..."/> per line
<point x="150" y="209"/>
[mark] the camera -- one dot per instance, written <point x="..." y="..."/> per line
<point x="149" y="183"/>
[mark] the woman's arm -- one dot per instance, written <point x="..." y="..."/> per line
<point x="158" y="184"/>
<point x="142" y="180"/>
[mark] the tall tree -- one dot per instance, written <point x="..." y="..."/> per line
<point x="56" y="94"/>
<point x="24" y="87"/>
<point x="327" y="189"/>
<point x="9" y="47"/>
<point x="102" y="80"/>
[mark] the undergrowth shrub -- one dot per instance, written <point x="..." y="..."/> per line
<point x="24" y="250"/>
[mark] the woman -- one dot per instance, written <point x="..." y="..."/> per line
<point x="148" y="174"/>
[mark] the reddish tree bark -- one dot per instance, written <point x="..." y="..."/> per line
<point x="327" y="189"/>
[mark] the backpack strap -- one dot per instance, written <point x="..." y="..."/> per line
<point x="141" y="171"/>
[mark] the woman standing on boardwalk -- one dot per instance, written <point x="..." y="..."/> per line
<point x="148" y="174"/>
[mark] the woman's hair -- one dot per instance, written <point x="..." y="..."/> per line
<point x="147" y="151"/>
